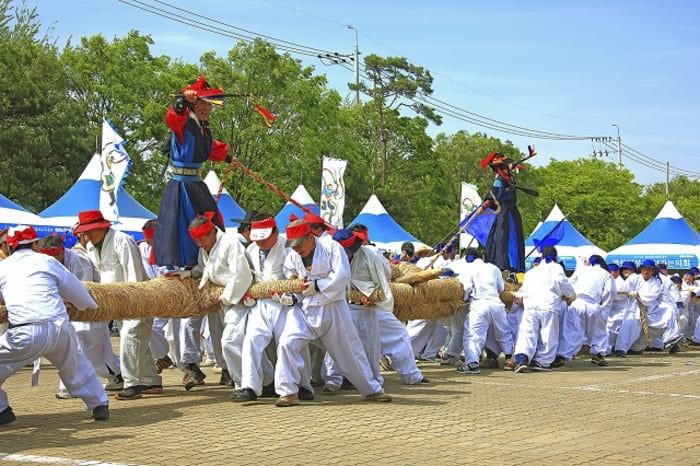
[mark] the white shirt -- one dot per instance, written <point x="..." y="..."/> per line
<point x="34" y="286"/>
<point x="367" y="273"/>
<point x="482" y="281"/>
<point x="330" y="270"/>
<point x="80" y="265"/>
<point x="268" y="266"/>
<point x="593" y="284"/>
<point x="225" y="265"/>
<point x="118" y="260"/>
<point x="543" y="287"/>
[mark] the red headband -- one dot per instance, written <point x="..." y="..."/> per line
<point x="205" y="228"/>
<point x="53" y="252"/>
<point x="149" y="232"/>
<point x="268" y="222"/>
<point x="346" y="243"/>
<point x="24" y="236"/>
<point x="297" y="231"/>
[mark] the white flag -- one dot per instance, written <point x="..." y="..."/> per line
<point x="470" y="200"/>
<point x="333" y="191"/>
<point x="115" y="168"/>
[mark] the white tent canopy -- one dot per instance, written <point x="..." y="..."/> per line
<point x="668" y="239"/>
<point x="573" y="244"/>
<point x="384" y="231"/>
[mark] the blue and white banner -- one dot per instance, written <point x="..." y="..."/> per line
<point x="469" y="201"/>
<point x="115" y="162"/>
<point x="333" y="191"/>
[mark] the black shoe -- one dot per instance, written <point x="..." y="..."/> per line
<point x="347" y="385"/>
<point x="599" y="360"/>
<point x="6" y="416"/>
<point x="674" y="349"/>
<point x="193" y="376"/>
<point x="131" y="393"/>
<point x="536" y="366"/>
<point x="268" y="391"/>
<point x="243" y="394"/>
<point x="100" y="413"/>
<point x="471" y="368"/>
<point x="305" y="394"/>
<point x="635" y="353"/>
<point x="651" y="349"/>
<point x="620" y="354"/>
<point x="558" y="362"/>
<point x="226" y="378"/>
<point x="424" y="380"/>
<point x="673" y="342"/>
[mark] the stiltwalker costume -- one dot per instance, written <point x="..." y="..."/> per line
<point x="186" y="195"/>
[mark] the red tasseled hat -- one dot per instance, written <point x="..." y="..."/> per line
<point x="486" y="161"/>
<point x="203" y="89"/>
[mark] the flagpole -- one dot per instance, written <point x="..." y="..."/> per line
<point x="546" y="236"/>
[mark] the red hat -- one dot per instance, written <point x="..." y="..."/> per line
<point x="89" y="220"/>
<point x="296" y="232"/>
<point x="21" y="234"/>
<point x="203" y="89"/>
<point x="486" y="161"/>
<point x="314" y="219"/>
<point x="260" y="230"/>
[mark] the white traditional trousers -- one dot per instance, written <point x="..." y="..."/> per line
<point x="137" y="364"/>
<point x="332" y="324"/>
<point x="57" y="342"/>
<point x="484" y="316"/>
<point x="538" y="336"/>
<point x="96" y="345"/>
<point x="396" y="345"/>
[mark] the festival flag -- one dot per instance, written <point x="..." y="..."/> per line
<point x="552" y="238"/>
<point x="480" y="227"/>
<point x="333" y="191"/>
<point x="115" y="163"/>
<point x="470" y="199"/>
<point x="267" y="115"/>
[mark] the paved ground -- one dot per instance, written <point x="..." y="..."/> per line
<point x="640" y="410"/>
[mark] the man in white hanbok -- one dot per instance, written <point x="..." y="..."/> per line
<point x="483" y="283"/>
<point x="95" y="345"/>
<point x="33" y="288"/>
<point x="117" y="259"/>
<point x="544" y="288"/>
<point x="268" y="316"/>
<point x="324" y="315"/>
<point x="222" y="261"/>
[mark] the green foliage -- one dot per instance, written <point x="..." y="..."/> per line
<point x="54" y="100"/>
<point x="40" y="126"/>
<point x="601" y="201"/>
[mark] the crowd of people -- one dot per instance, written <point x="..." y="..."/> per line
<point x="288" y="345"/>
<point x="291" y="344"/>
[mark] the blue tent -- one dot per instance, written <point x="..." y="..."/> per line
<point x="571" y="245"/>
<point x="85" y="195"/>
<point x="383" y="230"/>
<point x="667" y="239"/>
<point x="302" y="196"/>
<point x="12" y="214"/>
<point x="227" y="205"/>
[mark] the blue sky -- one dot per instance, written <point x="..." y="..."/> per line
<point x="560" y="66"/>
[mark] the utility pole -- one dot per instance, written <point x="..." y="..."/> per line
<point x="619" y="148"/>
<point x="357" y="66"/>
<point x="668" y="177"/>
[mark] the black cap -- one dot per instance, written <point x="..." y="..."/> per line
<point x="245" y="221"/>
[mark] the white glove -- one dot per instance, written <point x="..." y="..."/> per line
<point x="309" y="288"/>
<point x="632" y="294"/>
<point x="287" y="299"/>
<point x="249" y="301"/>
<point x="179" y="274"/>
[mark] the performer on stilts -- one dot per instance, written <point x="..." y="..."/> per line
<point x="506" y="245"/>
<point x="186" y="195"/>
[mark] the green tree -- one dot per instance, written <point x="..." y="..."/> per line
<point x="125" y="83"/>
<point x="684" y="193"/>
<point x="41" y="126"/>
<point x="601" y="201"/>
